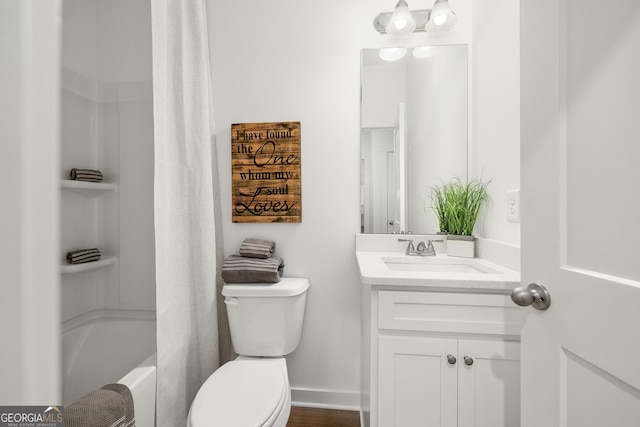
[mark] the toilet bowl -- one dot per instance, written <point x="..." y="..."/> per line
<point x="247" y="392"/>
<point x="265" y="321"/>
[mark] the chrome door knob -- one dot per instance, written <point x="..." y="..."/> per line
<point x="468" y="361"/>
<point x="534" y="295"/>
<point x="451" y="359"/>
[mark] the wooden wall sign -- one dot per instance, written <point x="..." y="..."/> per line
<point x="265" y="168"/>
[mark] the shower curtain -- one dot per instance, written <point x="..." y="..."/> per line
<point x="184" y="211"/>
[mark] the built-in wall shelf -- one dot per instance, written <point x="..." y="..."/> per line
<point x="88" y="266"/>
<point x="88" y="189"/>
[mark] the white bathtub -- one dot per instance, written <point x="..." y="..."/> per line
<point x="109" y="346"/>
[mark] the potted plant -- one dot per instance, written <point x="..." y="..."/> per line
<point x="456" y="206"/>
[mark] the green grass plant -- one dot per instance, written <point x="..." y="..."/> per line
<point x="457" y="205"/>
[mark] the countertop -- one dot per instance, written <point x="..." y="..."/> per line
<point x="374" y="271"/>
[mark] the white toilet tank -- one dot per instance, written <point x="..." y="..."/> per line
<point x="265" y="319"/>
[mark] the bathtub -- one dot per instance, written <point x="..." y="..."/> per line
<point x="109" y="346"/>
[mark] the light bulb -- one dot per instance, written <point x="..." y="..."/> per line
<point x="400" y="24"/>
<point x="440" y="19"/>
<point x="392" y="53"/>
<point x="424" y="51"/>
<point x="401" y="21"/>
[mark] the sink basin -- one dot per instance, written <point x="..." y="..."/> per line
<point x="436" y="265"/>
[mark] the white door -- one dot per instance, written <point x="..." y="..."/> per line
<point x="580" y="151"/>
<point x="392" y="221"/>
<point x="400" y="150"/>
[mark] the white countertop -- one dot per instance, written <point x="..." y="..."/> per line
<point x="374" y="271"/>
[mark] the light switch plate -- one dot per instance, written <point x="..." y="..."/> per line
<point x="513" y="205"/>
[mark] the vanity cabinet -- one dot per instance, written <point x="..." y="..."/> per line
<point x="444" y="359"/>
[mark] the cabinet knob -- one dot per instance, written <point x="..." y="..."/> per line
<point x="451" y="359"/>
<point x="468" y="361"/>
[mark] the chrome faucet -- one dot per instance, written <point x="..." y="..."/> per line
<point x="424" y="249"/>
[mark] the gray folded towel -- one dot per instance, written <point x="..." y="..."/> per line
<point x="127" y="397"/>
<point x="239" y="269"/>
<point x="257" y="248"/>
<point x="107" y="407"/>
<point x="83" y="255"/>
<point x="90" y="175"/>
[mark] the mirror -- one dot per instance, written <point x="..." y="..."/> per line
<point x="413" y="134"/>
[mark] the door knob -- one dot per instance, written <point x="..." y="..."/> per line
<point x="451" y="359"/>
<point x="535" y="295"/>
<point x="468" y="361"/>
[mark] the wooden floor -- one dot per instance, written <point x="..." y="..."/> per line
<point x="314" y="417"/>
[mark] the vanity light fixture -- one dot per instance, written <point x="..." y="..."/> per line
<point x="403" y="21"/>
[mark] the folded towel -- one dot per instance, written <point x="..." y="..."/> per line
<point x="101" y="408"/>
<point x="127" y="397"/>
<point x="83" y="255"/>
<point x="256" y="248"/>
<point x="239" y="269"/>
<point x="90" y="175"/>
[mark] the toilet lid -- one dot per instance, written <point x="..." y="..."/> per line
<point x="240" y="393"/>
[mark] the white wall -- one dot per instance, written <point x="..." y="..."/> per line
<point x="495" y="119"/>
<point x="79" y="50"/>
<point x="384" y="87"/>
<point x="123" y="40"/>
<point x="290" y="60"/>
<point x="29" y="131"/>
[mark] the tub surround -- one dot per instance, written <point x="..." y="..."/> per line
<point x="106" y="126"/>
<point x="101" y="346"/>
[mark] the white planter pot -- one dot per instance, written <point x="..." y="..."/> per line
<point x="461" y="246"/>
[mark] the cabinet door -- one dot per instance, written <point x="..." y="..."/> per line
<point x="416" y="384"/>
<point x="489" y="388"/>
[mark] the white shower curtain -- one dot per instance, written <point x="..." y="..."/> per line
<point x="184" y="207"/>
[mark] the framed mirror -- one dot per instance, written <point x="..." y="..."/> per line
<point x="414" y="133"/>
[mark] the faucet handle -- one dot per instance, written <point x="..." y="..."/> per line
<point x="410" y="246"/>
<point x="434" y="240"/>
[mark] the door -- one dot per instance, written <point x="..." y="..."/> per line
<point x="581" y="203"/>
<point x="393" y="221"/>
<point x="417" y="381"/>
<point x="400" y="170"/>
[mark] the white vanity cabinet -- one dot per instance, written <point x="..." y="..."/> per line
<point x="443" y="358"/>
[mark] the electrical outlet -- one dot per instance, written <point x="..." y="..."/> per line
<point x="513" y="205"/>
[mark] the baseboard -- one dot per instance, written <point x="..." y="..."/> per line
<point x="327" y="399"/>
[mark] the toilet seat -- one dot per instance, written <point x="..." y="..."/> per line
<point x="244" y="392"/>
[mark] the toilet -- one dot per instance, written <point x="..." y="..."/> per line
<point x="253" y="390"/>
